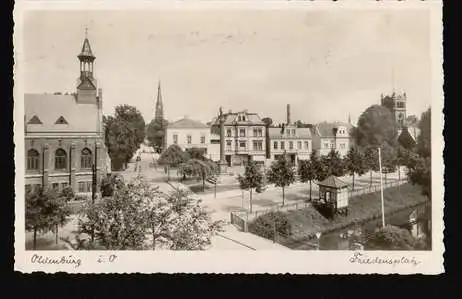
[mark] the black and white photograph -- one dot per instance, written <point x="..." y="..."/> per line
<point x="243" y="131"/>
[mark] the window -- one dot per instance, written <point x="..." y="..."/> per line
<point x="242" y="144"/>
<point x="291" y="145"/>
<point x="86" y="159"/>
<point x="257" y="145"/>
<point x="241" y="132"/>
<point x="55" y="186"/>
<point x="243" y="118"/>
<point x="188" y="139"/>
<point x="81" y="186"/>
<point x="255" y="132"/>
<point x="239" y="118"/>
<point x="32" y="160"/>
<point x="175" y="139"/>
<point x="88" y="186"/>
<point x="282" y="145"/>
<point x="306" y="145"/>
<point x="35" y="121"/>
<point x="203" y="139"/>
<point x="260" y="132"/>
<point x="228" y="144"/>
<point x="342" y="145"/>
<point x="64" y="185"/>
<point x="299" y="145"/>
<point x="61" y="121"/>
<point x="228" y="133"/>
<point x="293" y="132"/>
<point x="236" y="143"/>
<point x="275" y="144"/>
<point x="288" y="132"/>
<point x="60" y="159"/>
<point x="326" y="145"/>
<point x="85" y="187"/>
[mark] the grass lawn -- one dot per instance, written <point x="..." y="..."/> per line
<point x="362" y="208"/>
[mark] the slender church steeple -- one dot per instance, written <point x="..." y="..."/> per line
<point x="86" y="83"/>
<point x="159" y="113"/>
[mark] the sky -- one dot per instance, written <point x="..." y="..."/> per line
<point x="325" y="64"/>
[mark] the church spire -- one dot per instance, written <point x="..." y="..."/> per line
<point x="159" y="113"/>
<point x="86" y="83"/>
<point x="349" y="118"/>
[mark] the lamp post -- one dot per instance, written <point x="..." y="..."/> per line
<point x="318" y="237"/>
<point x="381" y="188"/>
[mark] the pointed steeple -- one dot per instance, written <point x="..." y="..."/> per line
<point x="86" y="52"/>
<point x="349" y="118"/>
<point x="86" y="83"/>
<point x="159" y="113"/>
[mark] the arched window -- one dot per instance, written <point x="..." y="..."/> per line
<point x="32" y="160"/>
<point x="60" y="159"/>
<point x="86" y="159"/>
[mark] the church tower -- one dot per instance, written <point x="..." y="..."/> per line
<point x="397" y="105"/>
<point x="159" y="112"/>
<point x="86" y="83"/>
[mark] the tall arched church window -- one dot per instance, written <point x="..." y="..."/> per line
<point x="86" y="159"/>
<point x="60" y="159"/>
<point x="32" y="160"/>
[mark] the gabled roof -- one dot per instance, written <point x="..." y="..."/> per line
<point x="86" y="84"/>
<point x="333" y="182"/>
<point x="86" y="49"/>
<point x="326" y="129"/>
<point x="34" y="121"/>
<point x="49" y="107"/>
<point x="61" y="121"/>
<point x="276" y="132"/>
<point x="187" y="123"/>
<point x="232" y="118"/>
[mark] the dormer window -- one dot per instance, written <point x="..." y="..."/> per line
<point x="35" y="121"/>
<point x="61" y="121"/>
<point x="243" y="118"/>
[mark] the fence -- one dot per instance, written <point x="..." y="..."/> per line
<point x="375" y="188"/>
<point x="239" y="221"/>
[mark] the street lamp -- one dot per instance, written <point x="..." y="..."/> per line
<point x="318" y="236"/>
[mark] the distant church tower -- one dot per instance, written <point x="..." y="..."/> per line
<point x="159" y="113"/>
<point x="86" y="83"/>
<point x="397" y="105"/>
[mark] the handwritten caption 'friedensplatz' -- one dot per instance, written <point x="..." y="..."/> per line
<point x="69" y="260"/>
<point x="365" y="259"/>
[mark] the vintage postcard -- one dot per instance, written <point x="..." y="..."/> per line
<point x="298" y="137"/>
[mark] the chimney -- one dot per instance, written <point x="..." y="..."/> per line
<point x="288" y="114"/>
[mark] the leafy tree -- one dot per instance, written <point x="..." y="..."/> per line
<point x="420" y="173"/>
<point x="155" y="133"/>
<point x="389" y="160"/>
<point x="267" y="121"/>
<point x="401" y="159"/>
<point x="133" y="117"/>
<point x="281" y="174"/>
<point x="307" y="172"/>
<point x="424" y="139"/>
<point x="371" y="161"/>
<point x="252" y="178"/>
<point x="139" y="216"/>
<point x="390" y="238"/>
<point x="196" y="153"/>
<point x="354" y="163"/>
<point x="45" y="210"/>
<point x="197" y="168"/>
<point x="375" y="126"/>
<point x="333" y="164"/>
<point x="320" y="173"/>
<point x="109" y="184"/>
<point x="172" y="157"/>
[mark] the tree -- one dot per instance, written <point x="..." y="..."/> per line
<point x="172" y="157"/>
<point x="139" y="216"/>
<point x="45" y="210"/>
<point x="196" y="153"/>
<point x="371" y="161"/>
<point x="155" y="133"/>
<point x="354" y="164"/>
<point x="252" y="178"/>
<point x="332" y="164"/>
<point x="424" y="139"/>
<point x="420" y="174"/>
<point x="267" y="121"/>
<point x="198" y="168"/>
<point x="389" y="160"/>
<point x="390" y="238"/>
<point x="109" y="184"/>
<point x="134" y="119"/>
<point x="411" y="120"/>
<point x="375" y="126"/>
<point x="401" y="159"/>
<point x="307" y="172"/>
<point x="281" y="174"/>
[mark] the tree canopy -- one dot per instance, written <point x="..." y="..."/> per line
<point x="252" y="179"/>
<point x="155" y="133"/>
<point x="424" y="138"/>
<point x="281" y="174"/>
<point x="355" y="163"/>
<point x="267" y="121"/>
<point x="173" y="156"/>
<point x="390" y="238"/>
<point x="375" y="126"/>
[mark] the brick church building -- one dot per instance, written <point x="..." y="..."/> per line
<point x="64" y="134"/>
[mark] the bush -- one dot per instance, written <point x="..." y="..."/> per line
<point x="263" y="226"/>
<point x="391" y="238"/>
<point x="68" y="193"/>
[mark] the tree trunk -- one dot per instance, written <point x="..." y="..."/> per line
<point x="168" y="173"/>
<point x="153" y="240"/>
<point x="399" y="175"/>
<point x="385" y="177"/>
<point x="203" y="183"/>
<point x="56" y="237"/>
<point x="35" y="239"/>
<point x="353" y="181"/>
<point x="310" y="190"/>
<point x="283" y="196"/>
<point x="250" y="200"/>
<point x="370" y="183"/>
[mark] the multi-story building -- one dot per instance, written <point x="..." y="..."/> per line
<point x="288" y="139"/>
<point x="188" y="133"/>
<point x="245" y="138"/>
<point x="64" y="136"/>
<point x="328" y="136"/>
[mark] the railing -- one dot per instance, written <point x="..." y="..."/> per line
<point x="375" y="188"/>
<point x="239" y="221"/>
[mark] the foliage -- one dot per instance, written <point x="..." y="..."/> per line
<point x="109" y="184"/>
<point x="281" y="174"/>
<point x="123" y="134"/>
<point x="252" y="178"/>
<point x="45" y="210"/>
<point x="267" y="121"/>
<point x="173" y="156"/>
<point x="375" y="127"/>
<point x="424" y="139"/>
<point x="389" y="156"/>
<point x="307" y="172"/>
<point x="390" y="238"/>
<point x="197" y="168"/>
<point x="354" y="163"/>
<point x="139" y="216"/>
<point x="420" y="174"/>
<point x="155" y="133"/>
<point x="67" y="193"/>
<point x="196" y="153"/>
<point x="332" y="164"/>
<point x="265" y="225"/>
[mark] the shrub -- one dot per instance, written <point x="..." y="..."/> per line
<point x="263" y="226"/>
<point x="391" y="238"/>
<point x="68" y="193"/>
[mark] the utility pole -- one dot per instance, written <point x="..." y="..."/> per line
<point x="381" y="188"/>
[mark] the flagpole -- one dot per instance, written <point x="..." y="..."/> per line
<point x="381" y="188"/>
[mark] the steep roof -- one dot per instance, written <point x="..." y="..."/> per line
<point x="187" y="123"/>
<point x="325" y="129"/>
<point x="232" y="118"/>
<point x="48" y="108"/>
<point x="86" y="49"/>
<point x="334" y="182"/>
<point x="275" y="132"/>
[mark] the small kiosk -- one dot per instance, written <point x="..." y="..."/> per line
<point x="333" y="195"/>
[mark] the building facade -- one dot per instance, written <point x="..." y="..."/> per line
<point x="327" y="136"/>
<point x="64" y="135"/>
<point x="397" y="105"/>
<point x="245" y="138"/>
